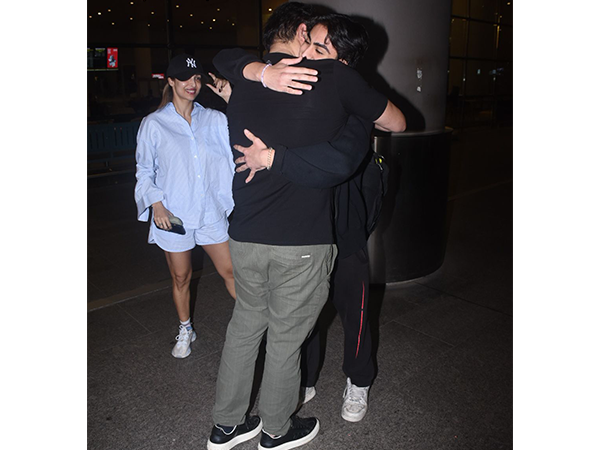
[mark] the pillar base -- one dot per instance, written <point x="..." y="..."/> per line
<point x="410" y="240"/>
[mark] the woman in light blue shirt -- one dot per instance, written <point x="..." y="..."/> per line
<point x="185" y="170"/>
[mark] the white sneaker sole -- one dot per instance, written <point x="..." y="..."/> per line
<point x="297" y="443"/>
<point x="354" y="417"/>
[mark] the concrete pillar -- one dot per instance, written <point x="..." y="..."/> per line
<point x="407" y="61"/>
<point x="408" y="54"/>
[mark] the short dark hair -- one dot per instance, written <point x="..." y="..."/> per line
<point x="349" y="38"/>
<point x="284" y="22"/>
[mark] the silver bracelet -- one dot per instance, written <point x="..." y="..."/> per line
<point x="262" y="75"/>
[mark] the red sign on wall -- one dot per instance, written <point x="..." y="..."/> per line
<point x="112" y="58"/>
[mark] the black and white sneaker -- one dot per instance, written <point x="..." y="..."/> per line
<point x="220" y="440"/>
<point x="301" y="432"/>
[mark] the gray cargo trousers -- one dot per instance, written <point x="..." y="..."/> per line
<point x="280" y="290"/>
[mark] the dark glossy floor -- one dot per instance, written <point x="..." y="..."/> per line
<point x="445" y="340"/>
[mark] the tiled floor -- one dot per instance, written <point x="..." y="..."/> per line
<point x="444" y="341"/>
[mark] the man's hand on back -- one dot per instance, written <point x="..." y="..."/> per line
<point x="283" y="76"/>
<point x="256" y="157"/>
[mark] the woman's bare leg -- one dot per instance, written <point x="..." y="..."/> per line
<point x="180" y="266"/>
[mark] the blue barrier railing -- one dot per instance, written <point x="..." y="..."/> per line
<point x="110" y="142"/>
<point x="112" y="136"/>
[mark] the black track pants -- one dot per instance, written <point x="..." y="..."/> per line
<point x="349" y="293"/>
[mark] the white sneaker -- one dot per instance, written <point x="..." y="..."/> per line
<point x="184" y="339"/>
<point x="355" y="402"/>
<point x="309" y="394"/>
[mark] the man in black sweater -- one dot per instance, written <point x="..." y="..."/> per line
<point x="336" y="36"/>
<point x="281" y="233"/>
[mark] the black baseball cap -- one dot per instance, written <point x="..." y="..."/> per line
<point x="183" y="67"/>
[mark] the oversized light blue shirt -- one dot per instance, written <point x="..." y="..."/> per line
<point x="188" y="167"/>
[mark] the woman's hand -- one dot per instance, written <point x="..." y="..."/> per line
<point x="161" y="216"/>
<point x="222" y="87"/>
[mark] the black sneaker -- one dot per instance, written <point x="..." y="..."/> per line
<point x="301" y="432"/>
<point x="219" y="440"/>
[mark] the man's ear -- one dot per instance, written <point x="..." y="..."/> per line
<point x="302" y="33"/>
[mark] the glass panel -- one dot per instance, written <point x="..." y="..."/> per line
<point x="460" y="8"/>
<point x="458" y="37"/>
<point x="504" y="79"/>
<point x="483" y="10"/>
<point x="480" y="78"/>
<point x="504" y="98"/>
<point x="505" y="11"/>
<point x="455" y="93"/>
<point x="505" y="43"/>
<point x="455" y="77"/>
<point x="482" y="40"/>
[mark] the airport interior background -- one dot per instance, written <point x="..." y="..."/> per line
<point x="130" y="43"/>
<point x="444" y="339"/>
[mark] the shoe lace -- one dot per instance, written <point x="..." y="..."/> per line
<point x="356" y="394"/>
<point x="183" y="334"/>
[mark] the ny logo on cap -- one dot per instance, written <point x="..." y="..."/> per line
<point x="191" y="62"/>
